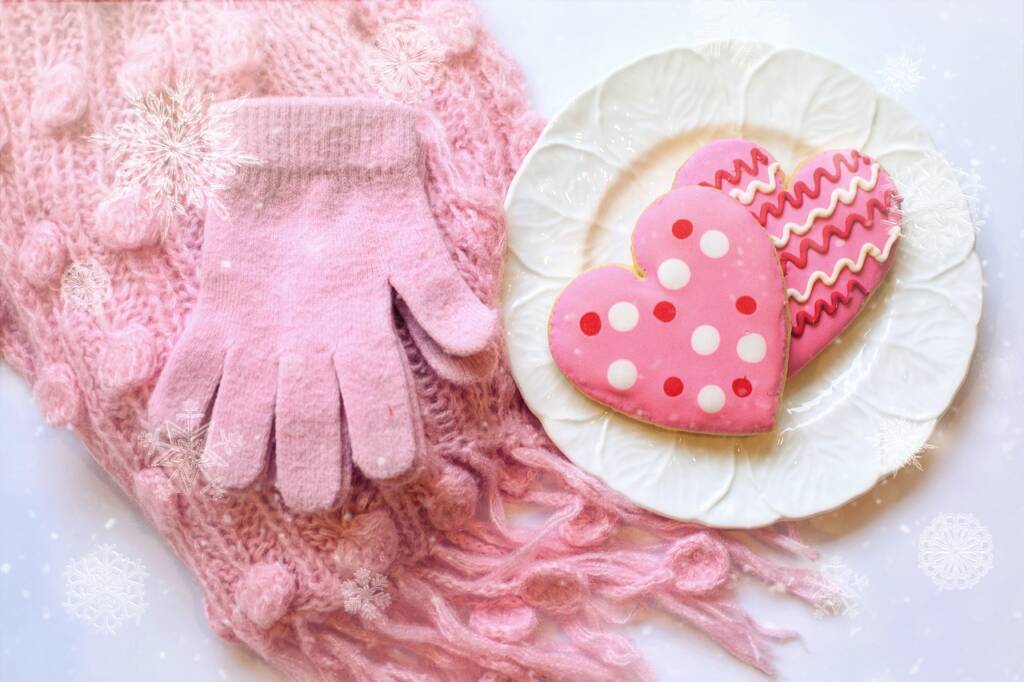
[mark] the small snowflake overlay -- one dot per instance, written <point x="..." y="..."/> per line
<point x="901" y="442"/>
<point x="173" y="152"/>
<point x="407" y="62"/>
<point x="901" y="74"/>
<point x="178" y="447"/>
<point x="847" y="589"/>
<point x="366" y="595"/>
<point x="733" y="20"/>
<point x="934" y="192"/>
<point x="105" y="589"/>
<point x="85" y="286"/>
<point x="955" y="551"/>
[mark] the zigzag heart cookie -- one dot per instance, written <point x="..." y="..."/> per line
<point x="835" y="227"/>
<point x="694" y="336"/>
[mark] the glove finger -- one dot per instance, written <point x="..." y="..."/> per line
<point x="458" y="370"/>
<point x="384" y="429"/>
<point x="239" y="433"/>
<point x="307" y="432"/>
<point x="440" y="299"/>
<point x="190" y="376"/>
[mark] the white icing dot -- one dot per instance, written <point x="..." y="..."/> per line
<point x="673" y="273"/>
<point x="752" y="348"/>
<point x="622" y="374"/>
<point x="714" y="244"/>
<point x="704" y="340"/>
<point x="711" y="399"/>
<point x="623" y="316"/>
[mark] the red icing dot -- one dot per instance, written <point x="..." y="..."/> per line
<point x="665" y="311"/>
<point x="673" y="386"/>
<point x="682" y="228"/>
<point x="746" y="305"/>
<point x="742" y="387"/>
<point x="590" y="324"/>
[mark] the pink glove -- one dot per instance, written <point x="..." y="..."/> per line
<point x="295" y="313"/>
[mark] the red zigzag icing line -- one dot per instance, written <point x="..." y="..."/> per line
<point x="828" y="306"/>
<point x="795" y="198"/>
<point x="833" y="231"/>
<point x="739" y="167"/>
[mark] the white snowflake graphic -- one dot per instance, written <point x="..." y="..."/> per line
<point x="933" y="194"/>
<point x="407" y="62"/>
<point x="178" y="446"/>
<point x="847" y="589"/>
<point x="955" y="551"/>
<point x="173" y="152"/>
<point x="366" y="595"/>
<point x="901" y="442"/>
<point x="901" y="74"/>
<point x="732" y="20"/>
<point x="105" y="589"/>
<point x="85" y="286"/>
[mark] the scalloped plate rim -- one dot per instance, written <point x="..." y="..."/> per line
<point x="969" y="263"/>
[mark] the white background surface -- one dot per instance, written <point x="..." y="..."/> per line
<point x="56" y="506"/>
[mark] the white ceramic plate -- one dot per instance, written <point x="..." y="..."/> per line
<point x="859" y="411"/>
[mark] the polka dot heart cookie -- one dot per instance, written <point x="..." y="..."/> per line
<point x="695" y="335"/>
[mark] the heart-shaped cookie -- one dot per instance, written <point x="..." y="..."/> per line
<point x="835" y="226"/>
<point x="693" y="336"/>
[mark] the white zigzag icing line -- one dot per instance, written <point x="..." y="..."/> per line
<point x="869" y="249"/>
<point x="746" y="196"/>
<point x="840" y="194"/>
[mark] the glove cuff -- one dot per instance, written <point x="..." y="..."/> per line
<point x="323" y="134"/>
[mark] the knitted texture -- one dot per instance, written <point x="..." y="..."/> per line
<point x="102" y="220"/>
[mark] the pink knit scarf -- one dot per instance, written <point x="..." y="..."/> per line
<point x="432" y="580"/>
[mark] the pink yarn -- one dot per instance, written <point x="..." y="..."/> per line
<point x="425" y="579"/>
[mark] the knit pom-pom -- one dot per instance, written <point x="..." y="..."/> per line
<point x="58" y="396"/>
<point x="700" y="563"/>
<point x="42" y="256"/>
<point x="589" y="527"/>
<point x="60" y="98"/>
<point x="454" y="499"/>
<point x="265" y="593"/>
<point x="148" y="66"/>
<point x="122" y="225"/>
<point x="237" y="57"/>
<point x="457" y="24"/>
<point x="370" y="541"/>
<point x="127" y="360"/>
<point x="157" y="497"/>
<point x="554" y="589"/>
<point x="524" y="135"/>
<point x="505" y="621"/>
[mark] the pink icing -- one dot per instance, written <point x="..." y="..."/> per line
<point x="662" y="320"/>
<point x="732" y="165"/>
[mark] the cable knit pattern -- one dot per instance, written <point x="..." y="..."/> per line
<point x="423" y="579"/>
